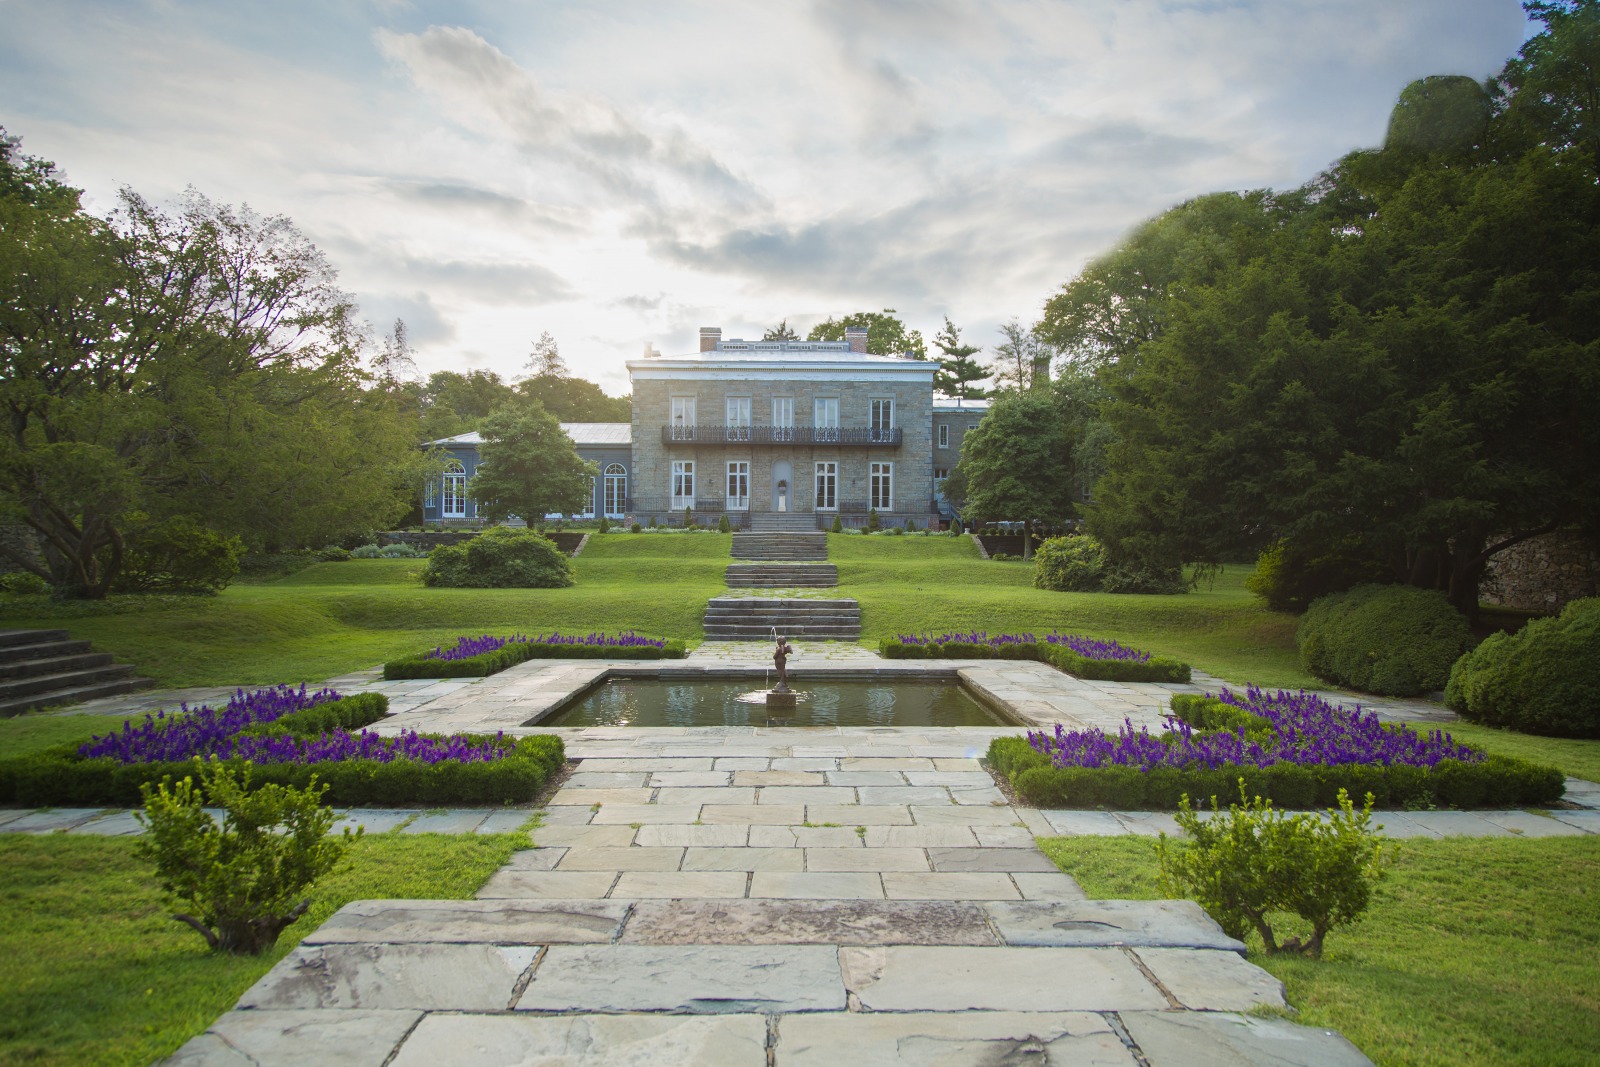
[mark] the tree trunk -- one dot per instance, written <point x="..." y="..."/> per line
<point x="1027" y="539"/>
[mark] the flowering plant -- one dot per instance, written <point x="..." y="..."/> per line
<point x="1087" y="647"/>
<point x="1302" y="728"/>
<point x="468" y="647"/>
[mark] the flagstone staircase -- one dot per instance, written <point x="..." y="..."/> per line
<point x="42" y="668"/>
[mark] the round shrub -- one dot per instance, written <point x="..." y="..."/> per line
<point x="1289" y="577"/>
<point x="500" y="558"/>
<point x="333" y="553"/>
<point x="1543" y="679"/>
<point x="178" y="555"/>
<point x="635" y="528"/>
<point x="1393" y="640"/>
<point x="23" y="583"/>
<point x="400" y="550"/>
<point x="1070" y="565"/>
<point x="366" y="552"/>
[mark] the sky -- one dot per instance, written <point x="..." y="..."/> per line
<point x="622" y="173"/>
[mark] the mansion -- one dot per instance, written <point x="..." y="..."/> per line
<point x="774" y="434"/>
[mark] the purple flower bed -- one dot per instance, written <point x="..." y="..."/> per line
<point x="1087" y="647"/>
<point x="1305" y="729"/>
<point x="467" y="647"/>
<point x="190" y="732"/>
<point x="204" y="731"/>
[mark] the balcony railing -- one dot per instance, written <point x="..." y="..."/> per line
<point x="822" y="436"/>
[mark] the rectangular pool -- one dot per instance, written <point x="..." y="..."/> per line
<point x="666" y="702"/>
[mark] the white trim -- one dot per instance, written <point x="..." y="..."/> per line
<point x="886" y="472"/>
<point x="738" y="477"/>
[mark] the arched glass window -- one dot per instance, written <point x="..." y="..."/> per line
<point x="454" y="498"/>
<point x="616" y="490"/>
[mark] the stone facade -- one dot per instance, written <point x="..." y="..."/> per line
<point x="951" y="421"/>
<point x="1544" y="573"/>
<point x="784" y="409"/>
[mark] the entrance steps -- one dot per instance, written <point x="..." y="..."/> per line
<point x="781" y="546"/>
<point x="755" y="618"/>
<point x="782" y="575"/>
<point x="783" y="521"/>
<point x="41" y="668"/>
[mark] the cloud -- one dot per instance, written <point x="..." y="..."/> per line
<point x="490" y="283"/>
<point x="424" y="323"/>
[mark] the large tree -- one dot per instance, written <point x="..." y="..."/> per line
<point x="569" y="399"/>
<point x="886" y="334"/>
<point x="959" y="375"/>
<point x="1016" y="464"/>
<point x="1405" y="356"/>
<point x="1022" y="358"/>
<point x="528" y="467"/>
<point x="201" y="363"/>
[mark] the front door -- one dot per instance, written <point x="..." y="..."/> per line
<point x="783" y="496"/>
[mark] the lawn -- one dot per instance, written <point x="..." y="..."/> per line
<point x="1473" y="952"/>
<point x="94" y="971"/>
<point x="938" y="584"/>
<point x="336" y="617"/>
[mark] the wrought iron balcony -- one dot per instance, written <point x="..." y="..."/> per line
<point x="818" y="436"/>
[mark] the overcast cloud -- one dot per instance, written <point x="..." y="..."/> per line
<point x="625" y="172"/>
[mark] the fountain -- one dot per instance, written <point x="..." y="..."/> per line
<point x="781" y="696"/>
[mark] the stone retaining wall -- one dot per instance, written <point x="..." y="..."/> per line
<point x="20" y="537"/>
<point x="1543" y="574"/>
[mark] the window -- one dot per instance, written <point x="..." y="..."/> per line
<point x="783" y="418"/>
<point x="882" y="425"/>
<point x="683" y="418"/>
<point x="455" y="491"/>
<point x="616" y="490"/>
<point x="882" y="486"/>
<point x="827" y="486"/>
<point x="682" y="484"/>
<point x="941" y="473"/>
<point x="588" y="502"/>
<point x="826" y="418"/>
<point x="738" y="418"/>
<point x="739" y="486"/>
<point x="944" y="435"/>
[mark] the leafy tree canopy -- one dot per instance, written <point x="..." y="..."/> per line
<point x="1016" y="464"/>
<point x="528" y="467"/>
<point x="781" y="332"/>
<point x="886" y="334"/>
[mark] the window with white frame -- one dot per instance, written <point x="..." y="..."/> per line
<point x="827" y="486"/>
<point x="588" y="501"/>
<point x="682" y="483"/>
<point x="616" y="492"/>
<point x="941" y="473"/>
<point x="738" y="486"/>
<point x="453" y="503"/>
<point x="944" y="435"/>
<point x="825" y="418"/>
<point x="882" y="419"/>
<point x="881" y="483"/>
<point x="683" y="418"/>
<point x="738" y="418"/>
<point x="783" y="418"/>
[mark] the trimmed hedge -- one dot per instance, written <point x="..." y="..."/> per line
<point x="1543" y="679"/>
<point x="1393" y="640"/>
<point x="1499" y="782"/>
<point x="517" y="652"/>
<point x="59" y="777"/>
<point x="1155" y="669"/>
<point x="347" y="713"/>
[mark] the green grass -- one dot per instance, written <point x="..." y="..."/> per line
<point x="335" y="617"/>
<point x="94" y="971"/>
<point x="1578" y="758"/>
<point x="1475" y="951"/>
<point x="917" y="584"/>
<point x="30" y="733"/>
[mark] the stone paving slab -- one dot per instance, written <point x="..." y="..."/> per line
<point x="691" y="836"/>
<point x="621" y="859"/>
<point x="687" y="979"/>
<point x="458" y="821"/>
<point x="991" y="859"/>
<point x="752" y="814"/>
<point x="51" y="820"/>
<point x="117" y="824"/>
<point x="911" y="978"/>
<point x="1212" y="979"/>
<point x="858" y="815"/>
<point x="816" y="886"/>
<point x="1081" y="1039"/>
<point x="374" y="820"/>
<point x="1587" y="821"/>
<point x="743" y="859"/>
<point x="588" y="1041"/>
<point x="1526" y="824"/>
<point x="681" y="884"/>
<point x="934" y="886"/>
<point x="547" y="885"/>
<point x="535" y="859"/>
<point x="1207" y="1039"/>
<point x="431" y="977"/>
<point x="866" y="859"/>
<point x="808" y="922"/>
<point x="496" y="922"/>
<point x="809" y="836"/>
<point x="1135" y="923"/>
<point x="353" y="1038"/>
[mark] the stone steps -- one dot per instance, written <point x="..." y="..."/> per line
<point x="790" y="522"/>
<point x="754" y="618"/>
<point x="781" y="546"/>
<point x="781" y="575"/>
<point x="43" y="668"/>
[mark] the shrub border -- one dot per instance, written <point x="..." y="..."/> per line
<point x="1498" y="782"/>
<point x="58" y="776"/>
<point x="513" y="653"/>
<point x="1156" y="669"/>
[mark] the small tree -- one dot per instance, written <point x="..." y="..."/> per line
<point x="723" y="525"/>
<point x="688" y="517"/>
<point x="1017" y="464"/>
<point x="958" y="374"/>
<point x="528" y="467"/>
<point x="239" y="884"/>
<point x="838" y="525"/>
<point x="872" y="521"/>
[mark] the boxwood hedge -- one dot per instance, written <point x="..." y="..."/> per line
<point x="1155" y="669"/>
<point x="515" y="652"/>
<point x="58" y="776"/>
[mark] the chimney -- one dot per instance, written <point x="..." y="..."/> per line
<point x="710" y="337"/>
<point x="857" y="336"/>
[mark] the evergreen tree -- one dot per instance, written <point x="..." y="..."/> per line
<point x="958" y="374"/>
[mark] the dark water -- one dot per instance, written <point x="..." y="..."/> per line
<point x="661" y="702"/>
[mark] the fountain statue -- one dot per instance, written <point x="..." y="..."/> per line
<point x="780" y="696"/>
